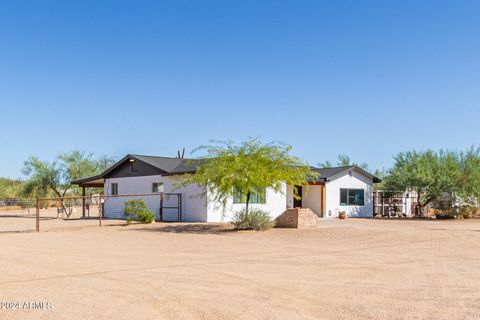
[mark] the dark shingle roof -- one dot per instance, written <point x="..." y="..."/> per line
<point x="188" y="166"/>
<point x="163" y="163"/>
<point x="167" y="165"/>
<point x="326" y="174"/>
<point x="178" y="166"/>
<point x="170" y="165"/>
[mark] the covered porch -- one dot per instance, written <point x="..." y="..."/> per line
<point x="312" y="196"/>
<point x="96" y="182"/>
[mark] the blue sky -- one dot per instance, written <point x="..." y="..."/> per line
<point x="365" y="78"/>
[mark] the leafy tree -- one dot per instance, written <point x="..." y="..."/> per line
<point x="57" y="175"/>
<point x="10" y="188"/>
<point x="469" y="190"/>
<point x="381" y="174"/>
<point x="228" y="169"/>
<point x="325" y="164"/>
<point x="44" y="176"/>
<point x="428" y="173"/>
<point x="103" y="162"/>
<point x="78" y="164"/>
<point x="343" y="160"/>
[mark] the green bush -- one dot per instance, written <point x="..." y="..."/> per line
<point x="138" y="210"/>
<point x="254" y="219"/>
<point x="468" y="211"/>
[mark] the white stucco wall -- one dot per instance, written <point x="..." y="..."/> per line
<point x="194" y="203"/>
<point x="275" y="204"/>
<point x="346" y="181"/>
<point x="312" y="198"/>
<point x="194" y="207"/>
<point x="290" y="196"/>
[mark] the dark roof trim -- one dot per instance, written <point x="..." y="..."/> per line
<point x="127" y="158"/>
<point x="88" y="179"/>
<point x="167" y="162"/>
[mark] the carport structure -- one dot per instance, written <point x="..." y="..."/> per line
<point x="91" y="182"/>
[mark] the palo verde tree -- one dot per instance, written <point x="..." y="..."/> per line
<point x="343" y="160"/>
<point x="228" y="169"/>
<point x="44" y="177"/>
<point x="80" y="164"/>
<point x="469" y="183"/>
<point x="428" y="173"/>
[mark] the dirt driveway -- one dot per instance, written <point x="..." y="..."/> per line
<point x="354" y="269"/>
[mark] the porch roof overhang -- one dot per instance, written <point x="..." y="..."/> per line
<point x="90" y="182"/>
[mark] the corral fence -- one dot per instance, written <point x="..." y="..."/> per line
<point x="19" y="215"/>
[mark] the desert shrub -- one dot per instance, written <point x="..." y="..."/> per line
<point x="254" y="219"/>
<point x="137" y="210"/>
<point x="468" y="211"/>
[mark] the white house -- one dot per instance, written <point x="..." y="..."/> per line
<point x="153" y="179"/>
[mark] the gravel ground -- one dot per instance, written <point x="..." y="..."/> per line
<point x="353" y="269"/>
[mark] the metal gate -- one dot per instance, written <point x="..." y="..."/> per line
<point x="171" y="207"/>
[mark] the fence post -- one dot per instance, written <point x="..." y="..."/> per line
<point x="100" y="212"/>
<point x="37" y="214"/>
<point x="83" y="202"/>
<point x="161" y="206"/>
<point x="179" y="207"/>
<point x="383" y="205"/>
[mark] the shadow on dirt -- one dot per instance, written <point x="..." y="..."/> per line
<point x="446" y="229"/>
<point x="189" y="228"/>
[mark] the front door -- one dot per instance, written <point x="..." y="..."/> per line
<point x="297" y="203"/>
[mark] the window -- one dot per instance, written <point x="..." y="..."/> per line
<point x="255" y="197"/>
<point x="157" y="187"/>
<point x="352" y="197"/>
<point x="114" y="189"/>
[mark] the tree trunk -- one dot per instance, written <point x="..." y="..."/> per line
<point x="247" y="201"/>
<point x="419" y="203"/>
<point x="421" y="206"/>
<point x="62" y="204"/>
<point x="68" y="213"/>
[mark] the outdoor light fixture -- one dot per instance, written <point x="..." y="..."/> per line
<point x="132" y="160"/>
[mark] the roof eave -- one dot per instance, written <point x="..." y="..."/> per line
<point x="88" y="179"/>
